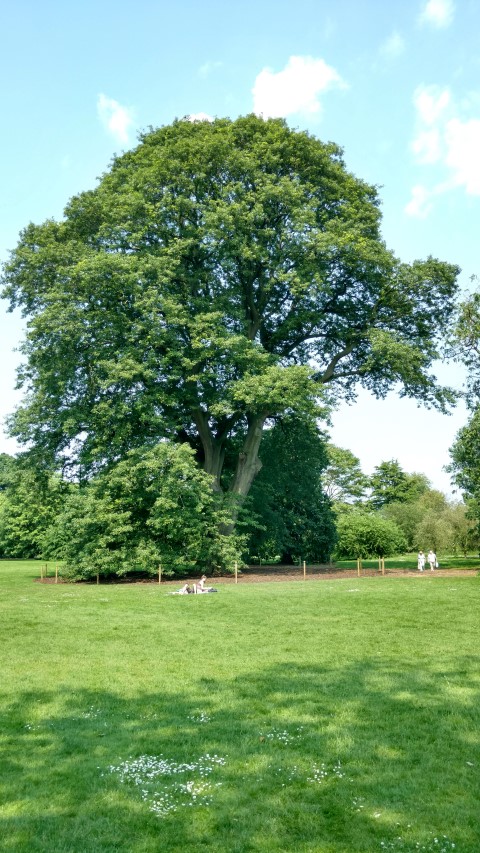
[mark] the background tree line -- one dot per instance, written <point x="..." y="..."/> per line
<point x="311" y="501"/>
<point x="396" y="512"/>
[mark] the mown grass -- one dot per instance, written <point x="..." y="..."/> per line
<point x="329" y="716"/>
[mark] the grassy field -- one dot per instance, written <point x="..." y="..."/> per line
<point x="331" y="716"/>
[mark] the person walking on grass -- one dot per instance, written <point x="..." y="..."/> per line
<point x="432" y="559"/>
<point x="421" y="561"/>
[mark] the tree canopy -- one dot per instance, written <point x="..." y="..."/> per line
<point x="466" y="342"/>
<point x="343" y="479"/>
<point x="220" y="275"/>
<point x="465" y="463"/>
<point x="391" y="484"/>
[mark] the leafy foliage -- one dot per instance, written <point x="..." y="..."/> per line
<point x="466" y="342"/>
<point x="29" y="502"/>
<point x="154" y="507"/>
<point x="465" y="464"/>
<point x="407" y="515"/>
<point x="343" y="479"/>
<point x="465" y="536"/>
<point x="431" y="521"/>
<point x="465" y="456"/>
<point x="390" y="484"/>
<point x="293" y="516"/>
<point x="7" y="471"/>
<point x="363" y="534"/>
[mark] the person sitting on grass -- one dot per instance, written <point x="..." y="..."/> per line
<point x="200" y="586"/>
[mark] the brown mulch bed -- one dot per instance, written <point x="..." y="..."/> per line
<point x="266" y="574"/>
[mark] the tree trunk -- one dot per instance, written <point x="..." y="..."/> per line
<point x="214" y="463"/>
<point x="214" y="451"/>
<point x="248" y="464"/>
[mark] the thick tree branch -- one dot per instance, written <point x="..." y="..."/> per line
<point x="329" y="373"/>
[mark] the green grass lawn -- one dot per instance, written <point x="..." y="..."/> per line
<point x="327" y="715"/>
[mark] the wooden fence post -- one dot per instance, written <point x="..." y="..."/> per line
<point x="159" y="572"/>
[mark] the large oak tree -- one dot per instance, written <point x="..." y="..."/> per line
<point x="221" y="274"/>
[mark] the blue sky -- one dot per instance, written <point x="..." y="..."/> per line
<point x="396" y="84"/>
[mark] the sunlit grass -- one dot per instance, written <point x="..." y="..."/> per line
<point x="318" y="716"/>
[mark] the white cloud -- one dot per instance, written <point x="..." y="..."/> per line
<point x="296" y="89"/>
<point x="439" y="13"/>
<point x="419" y="205"/>
<point x="430" y="102"/>
<point x="427" y="146"/>
<point x="447" y="141"/>
<point x="208" y="67"/>
<point x="115" y="118"/>
<point x="393" y="47"/>
<point x="200" y="117"/>
<point x="462" y="139"/>
<point x="432" y="105"/>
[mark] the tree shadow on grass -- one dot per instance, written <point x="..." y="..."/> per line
<point x="291" y="758"/>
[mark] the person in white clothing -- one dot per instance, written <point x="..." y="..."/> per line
<point x="432" y="559"/>
<point x="421" y="561"/>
